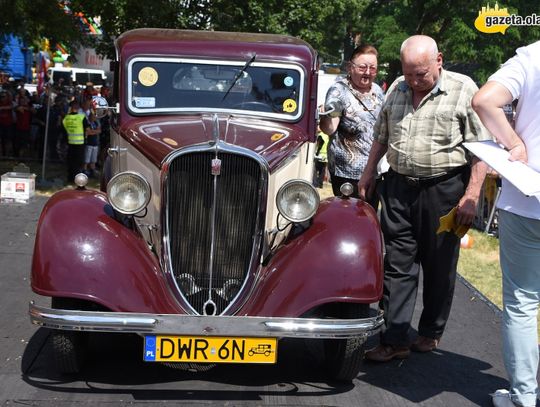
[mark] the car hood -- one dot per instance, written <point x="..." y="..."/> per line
<point x="156" y="138"/>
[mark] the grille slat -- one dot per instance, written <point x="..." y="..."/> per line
<point x="190" y="199"/>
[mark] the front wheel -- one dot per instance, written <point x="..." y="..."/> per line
<point x="343" y="357"/>
<point x="69" y="350"/>
<point x="69" y="347"/>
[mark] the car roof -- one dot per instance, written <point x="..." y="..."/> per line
<point x="215" y="44"/>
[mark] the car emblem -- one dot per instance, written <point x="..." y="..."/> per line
<point x="216" y="166"/>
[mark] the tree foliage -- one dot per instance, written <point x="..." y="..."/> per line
<point x="322" y="24"/>
<point x="451" y="24"/>
<point x="35" y="20"/>
<point x="384" y="23"/>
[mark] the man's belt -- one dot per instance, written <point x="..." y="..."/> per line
<point x="431" y="180"/>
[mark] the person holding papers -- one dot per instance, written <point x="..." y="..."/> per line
<point x="519" y="219"/>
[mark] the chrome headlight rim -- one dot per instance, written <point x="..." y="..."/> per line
<point x="287" y="185"/>
<point x="146" y="186"/>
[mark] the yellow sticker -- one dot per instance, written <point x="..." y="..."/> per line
<point x="277" y="136"/>
<point x="170" y="141"/>
<point x="289" y="106"/>
<point x="148" y="76"/>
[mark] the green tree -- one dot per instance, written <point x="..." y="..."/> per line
<point x="37" y="19"/>
<point x="320" y="23"/>
<point x="117" y="16"/>
<point x="384" y="23"/>
<point x="451" y="24"/>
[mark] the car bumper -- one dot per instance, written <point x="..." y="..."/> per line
<point x="173" y="324"/>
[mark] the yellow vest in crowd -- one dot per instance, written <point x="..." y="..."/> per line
<point x="73" y="123"/>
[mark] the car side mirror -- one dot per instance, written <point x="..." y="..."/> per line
<point x="102" y="106"/>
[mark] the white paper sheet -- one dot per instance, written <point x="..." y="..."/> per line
<point x="520" y="175"/>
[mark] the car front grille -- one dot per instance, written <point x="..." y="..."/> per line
<point x="212" y="224"/>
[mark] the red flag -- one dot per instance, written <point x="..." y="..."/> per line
<point x="41" y="69"/>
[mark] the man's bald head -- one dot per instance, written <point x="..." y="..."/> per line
<point x="419" y="47"/>
<point x="421" y="63"/>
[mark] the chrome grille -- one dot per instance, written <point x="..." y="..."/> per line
<point x="211" y="249"/>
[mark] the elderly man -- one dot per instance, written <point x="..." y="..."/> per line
<point x="426" y="117"/>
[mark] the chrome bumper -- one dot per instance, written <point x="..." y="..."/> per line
<point x="195" y="325"/>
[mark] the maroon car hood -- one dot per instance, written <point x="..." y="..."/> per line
<point x="158" y="137"/>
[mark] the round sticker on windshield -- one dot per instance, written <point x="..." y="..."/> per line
<point x="288" y="81"/>
<point x="148" y="76"/>
<point x="289" y="106"/>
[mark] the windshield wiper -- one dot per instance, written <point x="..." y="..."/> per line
<point x="239" y="74"/>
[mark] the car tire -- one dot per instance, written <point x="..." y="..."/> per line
<point x="69" y="347"/>
<point x="69" y="350"/>
<point x="343" y="357"/>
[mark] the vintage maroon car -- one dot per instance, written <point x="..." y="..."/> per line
<point x="209" y="240"/>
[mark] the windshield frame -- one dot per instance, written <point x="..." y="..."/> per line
<point x="301" y="103"/>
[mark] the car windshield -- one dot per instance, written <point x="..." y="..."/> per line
<point x="185" y="85"/>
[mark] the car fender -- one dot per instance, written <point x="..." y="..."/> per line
<point x="338" y="258"/>
<point x="81" y="251"/>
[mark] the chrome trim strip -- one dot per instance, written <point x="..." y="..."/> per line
<point x="215" y="132"/>
<point x="302" y="102"/>
<point x="174" y="324"/>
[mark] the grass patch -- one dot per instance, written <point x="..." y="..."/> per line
<point x="480" y="266"/>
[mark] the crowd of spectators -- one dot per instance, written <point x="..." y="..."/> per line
<point x="27" y="121"/>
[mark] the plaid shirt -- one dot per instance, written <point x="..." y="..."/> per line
<point x="428" y="141"/>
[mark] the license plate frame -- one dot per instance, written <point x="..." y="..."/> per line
<point x="210" y="349"/>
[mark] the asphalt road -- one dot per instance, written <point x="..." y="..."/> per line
<point x="462" y="372"/>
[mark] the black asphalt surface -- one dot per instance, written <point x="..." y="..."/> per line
<point x="462" y="372"/>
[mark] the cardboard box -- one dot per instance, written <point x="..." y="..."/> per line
<point x="17" y="187"/>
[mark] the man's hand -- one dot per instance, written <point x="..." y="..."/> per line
<point x="518" y="152"/>
<point x="466" y="210"/>
<point x="366" y="185"/>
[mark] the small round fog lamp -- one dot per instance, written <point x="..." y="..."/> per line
<point x="81" y="180"/>
<point x="128" y="192"/>
<point x="346" y="189"/>
<point x="297" y="200"/>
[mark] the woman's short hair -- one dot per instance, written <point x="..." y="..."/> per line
<point x="364" y="49"/>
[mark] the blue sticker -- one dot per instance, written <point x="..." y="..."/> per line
<point x="288" y="81"/>
<point x="150" y="348"/>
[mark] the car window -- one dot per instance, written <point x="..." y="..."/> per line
<point x="176" y="85"/>
<point x="65" y="76"/>
<point x="83" y="77"/>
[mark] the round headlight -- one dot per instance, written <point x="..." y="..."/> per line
<point x="297" y="200"/>
<point x="128" y="192"/>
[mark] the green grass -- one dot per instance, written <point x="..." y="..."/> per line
<point x="479" y="265"/>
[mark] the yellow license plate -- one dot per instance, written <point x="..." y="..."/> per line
<point x="214" y="349"/>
